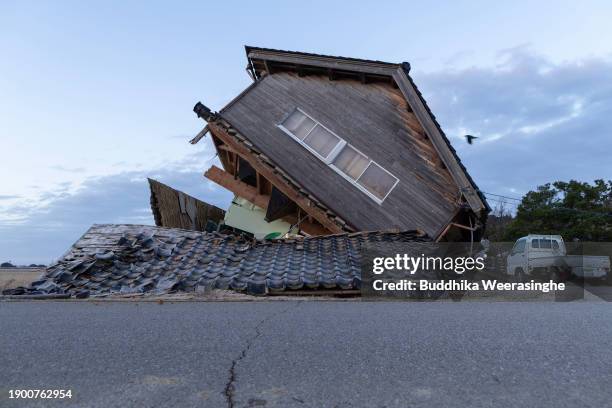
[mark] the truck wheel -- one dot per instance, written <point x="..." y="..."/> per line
<point x="519" y="275"/>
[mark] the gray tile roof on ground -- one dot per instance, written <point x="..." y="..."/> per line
<point x="145" y="259"/>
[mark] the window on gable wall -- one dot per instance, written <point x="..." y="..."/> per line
<point x="351" y="164"/>
<point x="299" y="124"/>
<point x="377" y="180"/>
<point x="321" y="140"/>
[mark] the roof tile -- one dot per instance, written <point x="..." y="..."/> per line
<point x="137" y="259"/>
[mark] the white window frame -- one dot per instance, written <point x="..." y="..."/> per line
<point x="334" y="153"/>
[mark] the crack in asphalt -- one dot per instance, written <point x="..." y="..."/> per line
<point x="231" y="382"/>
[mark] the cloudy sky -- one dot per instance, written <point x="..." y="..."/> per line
<point x="94" y="98"/>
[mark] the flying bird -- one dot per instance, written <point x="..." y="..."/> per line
<point x="470" y="138"/>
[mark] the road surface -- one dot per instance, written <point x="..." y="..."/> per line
<point x="308" y="354"/>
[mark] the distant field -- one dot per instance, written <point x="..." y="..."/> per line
<point x="13" y="277"/>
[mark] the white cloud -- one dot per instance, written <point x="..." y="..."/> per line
<point x="538" y="121"/>
<point x="38" y="231"/>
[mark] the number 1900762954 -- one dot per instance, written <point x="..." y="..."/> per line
<point x="40" y="394"/>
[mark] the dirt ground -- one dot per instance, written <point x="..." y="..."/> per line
<point x="13" y="277"/>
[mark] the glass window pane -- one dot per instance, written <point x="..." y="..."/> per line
<point x="377" y="181"/>
<point x="298" y="124"/>
<point x="519" y="247"/>
<point x="321" y="141"/>
<point x="351" y="162"/>
<point x="535" y="243"/>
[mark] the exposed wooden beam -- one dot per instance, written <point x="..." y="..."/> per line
<point x="450" y="227"/>
<point x="241" y="189"/>
<point x="267" y="66"/>
<point x="376" y="68"/>
<point x="223" y="154"/>
<point x="226" y="148"/>
<point x="249" y="193"/>
<point x="258" y="182"/>
<point x="199" y="136"/>
<point x="464" y="227"/>
<point x="236" y="165"/>
<point x="444" y="232"/>
<point x="265" y="170"/>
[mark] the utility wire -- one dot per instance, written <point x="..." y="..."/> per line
<point x="564" y="209"/>
<point x="575" y="210"/>
<point x="501" y="201"/>
<point x="502" y="196"/>
<point x="212" y="158"/>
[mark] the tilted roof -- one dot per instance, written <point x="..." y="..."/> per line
<point x="435" y="186"/>
<point x="265" y="58"/>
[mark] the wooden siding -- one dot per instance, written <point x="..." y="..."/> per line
<point x="460" y="176"/>
<point x="174" y="209"/>
<point x="372" y="117"/>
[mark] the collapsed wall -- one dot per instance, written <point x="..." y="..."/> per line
<point x="175" y="209"/>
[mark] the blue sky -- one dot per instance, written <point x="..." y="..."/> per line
<point x="95" y="97"/>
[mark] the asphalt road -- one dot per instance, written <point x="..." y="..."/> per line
<point x="308" y="354"/>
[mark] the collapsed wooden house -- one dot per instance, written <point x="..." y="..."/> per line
<point x="332" y="144"/>
<point x="316" y="145"/>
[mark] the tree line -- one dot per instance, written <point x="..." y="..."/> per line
<point x="575" y="210"/>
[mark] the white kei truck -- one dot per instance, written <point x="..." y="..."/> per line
<point x="545" y="257"/>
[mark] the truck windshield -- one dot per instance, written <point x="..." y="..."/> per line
<point x="519" y="247"/>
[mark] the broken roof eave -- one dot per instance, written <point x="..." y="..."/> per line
<point x="399" y="73"/>
<point x="200" y="135"/>
<point x="336" y="63"/>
